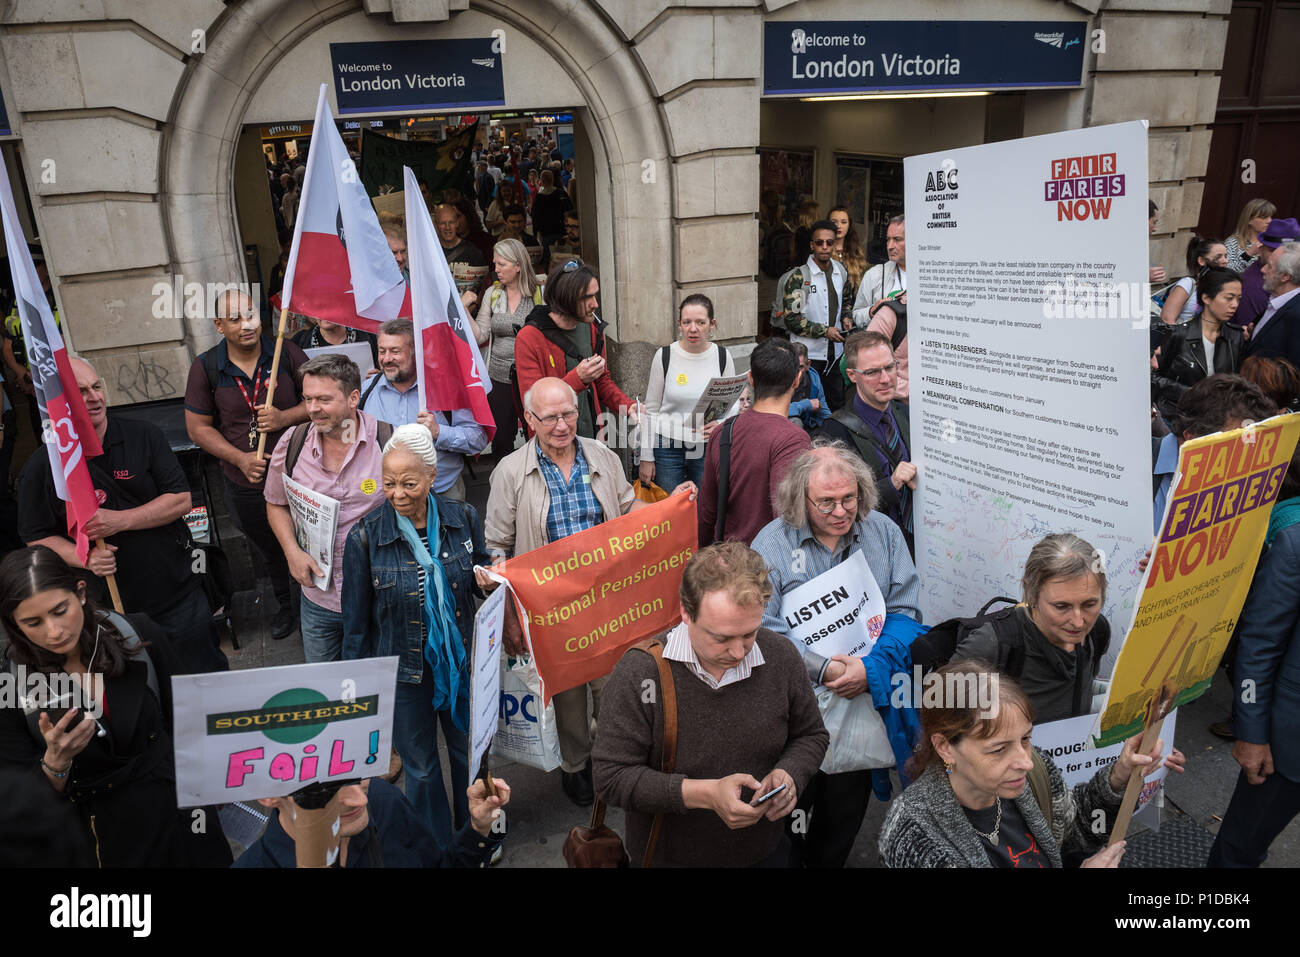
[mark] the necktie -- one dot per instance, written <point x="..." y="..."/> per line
<point x="904" y="493"/>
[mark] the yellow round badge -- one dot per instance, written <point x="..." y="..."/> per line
<point x="369" y="486"/>
<point x="681" y="378"/>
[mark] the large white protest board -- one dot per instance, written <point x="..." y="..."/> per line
<point x="485" y="680"/>
<point x="840" y="612"/>
<point x="1030" y="383"/>
<point x="266" y="732"/>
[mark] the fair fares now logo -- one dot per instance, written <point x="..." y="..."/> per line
<point x="1083" y="186"/>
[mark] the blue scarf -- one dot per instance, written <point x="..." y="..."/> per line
<point x="443" y="648"/>
<point x="1285" y="514"/>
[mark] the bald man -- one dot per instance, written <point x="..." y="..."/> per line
<point x="558" y="484"/>
<point x="224" y="416"/>
<point x="143" y="495"/>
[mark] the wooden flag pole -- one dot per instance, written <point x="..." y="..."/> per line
<point x="112" y="583"/>
<point x="1149" y="738"/>
<point x="275" y="371"/>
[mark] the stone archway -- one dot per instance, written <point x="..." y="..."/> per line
<point x="197" y="149"/>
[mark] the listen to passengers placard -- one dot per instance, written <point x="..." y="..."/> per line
<point x="417" y="74"/>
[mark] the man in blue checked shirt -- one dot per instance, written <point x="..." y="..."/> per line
<point x="826" y="513"/>
<point x="555" y="486"/>
<point x="394" y="397"/>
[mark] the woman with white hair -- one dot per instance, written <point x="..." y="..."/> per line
<point x="408" y="590"/>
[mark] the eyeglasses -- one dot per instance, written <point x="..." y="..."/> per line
<point x="823" y="242"/>
<point x="876" y="373"/>
<point x="550" y="420"/>
<point x="828" y="505"/>
<point x="573" y="265"/>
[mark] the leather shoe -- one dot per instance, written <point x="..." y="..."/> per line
<point x="283" y="624"/>
<point x="1223" y="729"/>
<point x="577" y="785"/>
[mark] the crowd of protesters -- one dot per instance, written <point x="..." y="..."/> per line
<point x="814" y="462"/>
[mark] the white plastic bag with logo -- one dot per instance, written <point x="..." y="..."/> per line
<point x="525" y="732"/>
<point x="858" y="738"/>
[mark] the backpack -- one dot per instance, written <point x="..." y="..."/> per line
<point x="936" y="647"/>
<point x="722" y="360"/>
<point x="777" y="254"/>
<point x="298" y="437"/>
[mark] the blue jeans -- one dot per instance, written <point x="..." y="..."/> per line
<point x="415" y="735"/>
<point x="675" y="462"/>
<point x="322" y="633"/>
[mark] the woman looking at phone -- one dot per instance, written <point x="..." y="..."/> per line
<point x="107" y="746"/>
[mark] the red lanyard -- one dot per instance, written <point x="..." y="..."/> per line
<point x="252" y="403"/>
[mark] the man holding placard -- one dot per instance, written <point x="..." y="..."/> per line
<point x="338" y="460"/>
<point x="837" y="568"/>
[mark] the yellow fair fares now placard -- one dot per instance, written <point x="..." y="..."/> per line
<point x="1200" y="571"/>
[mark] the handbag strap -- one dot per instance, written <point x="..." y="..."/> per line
<point x="668" y="758"/>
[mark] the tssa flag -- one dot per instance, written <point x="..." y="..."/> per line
<point x="68" y="434"/>
<point x="451" y="371"/>
<point x="340" y="267"/>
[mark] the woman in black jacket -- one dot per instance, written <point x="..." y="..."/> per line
<point x="1203" y="345"/>
<point x="102" y="739"/>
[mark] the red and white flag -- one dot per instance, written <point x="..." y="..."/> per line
<point x="449" y="366"/>
<point x="340" y="267"/>
<point x="69" y="437"/>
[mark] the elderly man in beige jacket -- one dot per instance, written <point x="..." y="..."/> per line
<point x="556" y="485"/>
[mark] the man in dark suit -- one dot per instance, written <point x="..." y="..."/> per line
<point x="1277" y="333"/>
<point x="876" y="423"/>
<point x="1267" y="679"/>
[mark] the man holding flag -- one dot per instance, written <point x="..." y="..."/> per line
<point x="136" y="474"/>
<point x="142" y="495"/>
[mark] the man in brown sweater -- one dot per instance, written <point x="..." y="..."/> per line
<point x="747" y="722"/>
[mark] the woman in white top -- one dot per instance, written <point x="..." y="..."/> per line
<point x="1180" y="305"/>
<point x="672" y="447"/>
<point x="505" y="308"/>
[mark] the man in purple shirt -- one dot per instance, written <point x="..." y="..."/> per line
<point x="876" y="423"/>
<point x="338" y="457"/>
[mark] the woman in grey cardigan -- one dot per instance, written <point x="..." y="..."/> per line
<point x="984" y="796"/>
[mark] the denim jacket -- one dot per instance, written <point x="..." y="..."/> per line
<point x="383" y="606"/>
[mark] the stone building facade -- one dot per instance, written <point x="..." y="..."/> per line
<point x="129" y="115"/>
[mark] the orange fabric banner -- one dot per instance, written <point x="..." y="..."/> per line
<point x="586" y="598"/>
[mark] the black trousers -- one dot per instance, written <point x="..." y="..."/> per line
<point x="833" y="807"/>
<point x="247" y="507"/>
<point x="1256" y="815"/>
<point x="501" y="401"/>
<point x="188" y="624"/>
<point x="832" y="384"/>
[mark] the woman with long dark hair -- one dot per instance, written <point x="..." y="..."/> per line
<point x="97" y="727"/>
<point x="1203" y="345"/>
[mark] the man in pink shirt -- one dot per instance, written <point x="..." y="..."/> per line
<point x="339" y="456"/>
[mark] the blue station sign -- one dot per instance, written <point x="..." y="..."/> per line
<point x="417" y="75"/>
<point x="857" y="56"/>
